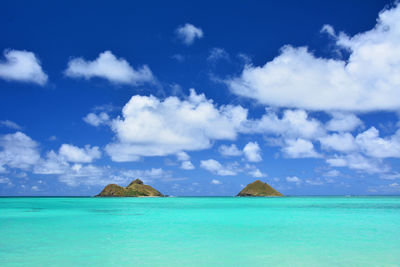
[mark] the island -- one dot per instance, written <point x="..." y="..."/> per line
<point x="135" y="189"/>
<point x="259" y="189"/>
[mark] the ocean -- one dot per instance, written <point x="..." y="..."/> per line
<point x="200" y="231"/>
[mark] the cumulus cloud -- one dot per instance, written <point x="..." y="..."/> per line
<point x="53" y="163"/>
<point x="108" y="66"/>
<point x="254" y="171"/>
<point x="343" y="142"/>
<point x="372" y="145"/>
<point x="252" y="152"/>
<point x="215" y="167"/>
<point x="22" y="66"/>
<point x="299" y="148"/>
<point x="153" y="127"/>
<point x="18" y="151"/>
<point x="188" y="33"/>
<point x="96" y="119"/>
<point x="231" y="150"/>
<point x="187" y="165"/>
<point x="292" y="124"/>
<point x="343" y="122"/>
<point x="368" y="80"/>
<point x="76" y="154"/>
<point x="182" y="156"/>
<point x="358" y="162"/>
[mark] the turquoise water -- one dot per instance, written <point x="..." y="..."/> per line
<point x="226" y="231"/>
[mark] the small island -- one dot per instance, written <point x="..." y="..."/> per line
<point x="135" y="189"/>
<point x="259" y="189"/>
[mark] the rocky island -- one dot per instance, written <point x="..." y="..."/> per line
<point x="135" y="189"/>
<point x="259" y="189"/>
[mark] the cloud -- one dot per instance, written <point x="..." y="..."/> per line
<point x="374" y="146"/>
<point x="10" y="124"/>
<point x="299" y="148"/>
<point x="96" y="120"/>
<point x="188" y="33"/>
<point x="22" y="66"/>
<point x="292" y="124"/>
<point x="179" y="57"/>
<point x="83" y="155"/>
<point x="343" y="122"/>
<point x="217" y="54"/>
<point x="358" y="162"/>
<point x="187" y="165"/>
<point x="368" y="80"/>
<point x="182" y="156"/>
<point x="252" y="152"/>
<point x="108" y="66"/>
<point x="231" y="150"/>
<point x="343" y="142"/>
<point x="331" y="173"/>
<point x="293" y="179"/>
<point x="255" y="172"/>
<point x="215" y="167"/>
<point x="5" y="180"/>
<point x="53" y="163"/>
<point x="18" y="151"/>
<point x="215" y="181"/>
<point x="153" y="127"/>
<point x="90" y="175"/>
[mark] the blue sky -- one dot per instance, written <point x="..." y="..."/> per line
<point x="200" y="99"/>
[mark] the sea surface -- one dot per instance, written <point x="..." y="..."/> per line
<point x="200" y="231"/>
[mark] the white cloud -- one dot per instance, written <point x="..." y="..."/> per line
<point x="256" y="173"/>
<point x="187" y="165"/>
<point x="252" y="152"/>
<point x="52" y="164"/>
<point x="299" y="148"/>
<point x="182" y="156"/>
<point x="293" y="179"/>
<point x="343" y="122"/>
<point x="374" y="146"/>
<point x="96" y="120"/>
<point x="217" y="54"/>
<point x="368" y="80"/>
<point x="215" y="167"/>
<point x="215" y="181"/>
<point x="10" y="124"/>
<point x="75" y="154"/>
<point x="358" y="162"/>
<point x="108" y="66"/>
<point x="22" y="66"/>
<point x="231" y="150"/>
<point x="153" y="127"/>
<point x="292" y="124"/>
<point x="188" y="33"/>
<point x="343" y="142"/>
<point x="18" y="151"/>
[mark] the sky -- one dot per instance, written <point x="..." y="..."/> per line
<point x="200" y="99"/>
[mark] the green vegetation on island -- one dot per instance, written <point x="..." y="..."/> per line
<point x="135" y="189"/>
<point x="259" y="189"/>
